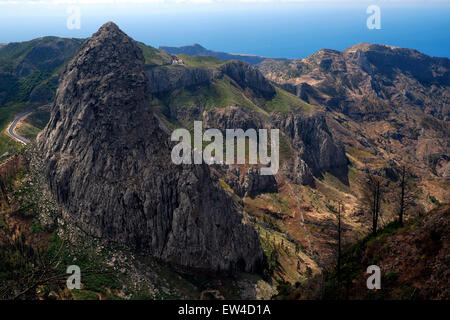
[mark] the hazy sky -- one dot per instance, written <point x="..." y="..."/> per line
<point x="278" y="28"/>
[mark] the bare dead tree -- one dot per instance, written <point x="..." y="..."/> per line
<point x="372" y="196"/>
<point x="3" y="190"/>
<point x="339" y="230"/>
<point x="402" y="196"/>
<point x="406" y="193"/>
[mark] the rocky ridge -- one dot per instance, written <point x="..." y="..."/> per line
<point x="367" y="80"/>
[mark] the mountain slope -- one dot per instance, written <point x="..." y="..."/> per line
<point x="367" y="80"/>
<point x="413" y="259"/>
<point x="391" y="103"/>
<point x="341" y="116"/>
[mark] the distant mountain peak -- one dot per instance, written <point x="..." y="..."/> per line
<point x="108" y="30"/>
<point x="369" y="46"/>
<point x="198" y="50"/>
<point x="108" y="27"/>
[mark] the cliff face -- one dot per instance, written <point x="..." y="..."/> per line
<point x="172" y="77"/>
<point x="108" y="165"/>
<point x="177" y="76"/>
<point x="390" y="102"/>
<point x="248" y="77"/>
<point x="314" y="150"/>
<point x="314" y="143"/>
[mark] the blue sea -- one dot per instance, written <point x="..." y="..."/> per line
<point x="272" y="29"/>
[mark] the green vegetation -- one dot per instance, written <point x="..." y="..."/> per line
<point x="154" y="57"/>
<point x="284" y="101"/>
<point x="84" y="295"/>
<point x="281" y="204"/>
<point x="22" y="89"/>
<point x="96" y="277"/>
<point x="27" y="131"/>
<point x="200" y="61"/>
<point x="435" y="201"/>
<point x="33" y="124"/>
<point x="26" y="76"/>
<point x="285" y="149"/>
<point x="218" y="93"/>
<point x="8" y="146"/>
<point x="271" y="251"/>
<point x="36" y="259"/>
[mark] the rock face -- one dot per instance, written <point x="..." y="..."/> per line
<point x="233" y="117"/>
<point x="247" y="182"/>
<point x="177" y="76"/>
<point x="314" y="143"/>
<point x="248" y="77"/>
<point x="108" y="165"/>
<point x="315" y="151"/>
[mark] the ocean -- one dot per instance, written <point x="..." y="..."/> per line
<point x="280" y="30"/>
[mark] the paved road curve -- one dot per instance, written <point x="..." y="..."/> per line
<point x="13" y="125"/>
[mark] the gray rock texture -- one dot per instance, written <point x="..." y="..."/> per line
<point x="108" y="165"/>
<point x="163" y="79"/>
<point x="233" y="117"/>
<point x="312" y="140"/>
<point x="248" y="78"/>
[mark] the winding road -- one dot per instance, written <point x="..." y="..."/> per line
<point x="12" y="126"/>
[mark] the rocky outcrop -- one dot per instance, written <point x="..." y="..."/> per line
<point x="313" y="142"/>
<point x="233" y="117"/>
<point x="247" y="182"/>
<point x="305" y="92"/>
<point x="314" y="149"/>
<point x="108" y="165"/>
<point x="183" y="114"/>
<point x="248" y="78"/>
<point x="244" y="180"/>
<point x="298" y="171"/>
<point x="167" y="78"/>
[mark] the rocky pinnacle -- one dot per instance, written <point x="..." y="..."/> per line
<point x="108" y="165"/>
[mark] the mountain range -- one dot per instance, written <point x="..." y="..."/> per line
<point x="99" y="174"/>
